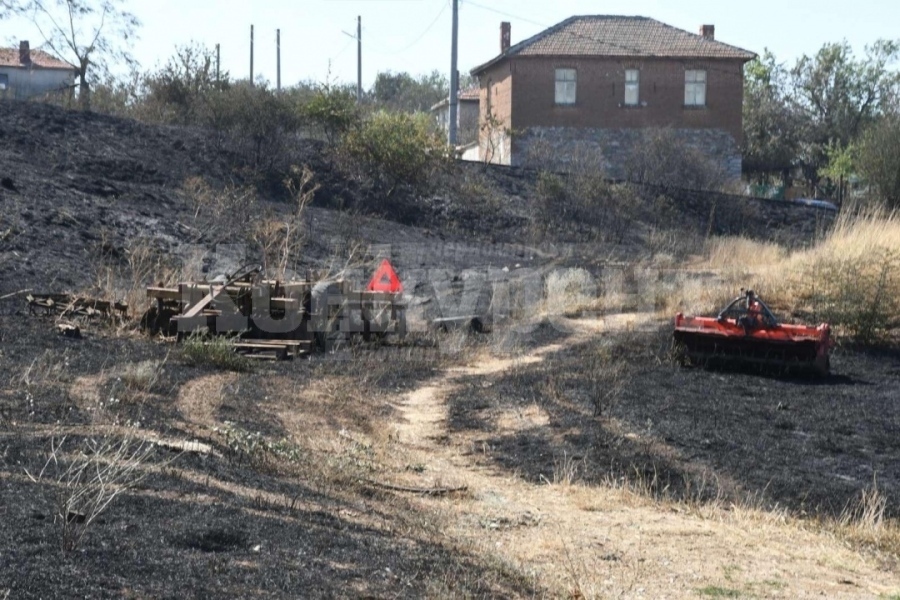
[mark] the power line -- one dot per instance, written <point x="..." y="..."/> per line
<point x="421" y="35"/>
<point x="344" y="49"/>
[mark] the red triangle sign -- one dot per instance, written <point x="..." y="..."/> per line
<point x="385" y="279"/>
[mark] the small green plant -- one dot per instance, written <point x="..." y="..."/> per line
<point x="714" y="591"/>
<point x="258" y="450"/>
<point x="550" y="187"/>
<point x="216" y="352"/>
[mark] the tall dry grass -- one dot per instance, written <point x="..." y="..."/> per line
<point x="849" y="278"/>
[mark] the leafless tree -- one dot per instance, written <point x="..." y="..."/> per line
<point x="91" y="34"/>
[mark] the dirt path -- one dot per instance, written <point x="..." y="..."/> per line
<point x="603" y="542"/>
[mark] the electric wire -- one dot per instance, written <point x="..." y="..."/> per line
<point x="420" y="36"/>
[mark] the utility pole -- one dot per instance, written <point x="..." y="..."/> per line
<point x="278" y="44"/>
<point x="251" y="55"/>
<point x="218" y="61"/>
<point x="358" y="38"/>
<point x="454" y="78"/>
<point x="359" y="59"/>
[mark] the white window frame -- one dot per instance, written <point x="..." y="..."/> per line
<point x="632" y="87"/>
<point x="695" y="81"/>
<point x="566" y="91"/>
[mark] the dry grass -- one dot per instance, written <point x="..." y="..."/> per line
<point x="127" y="281"/>
<point x="864" y="524"/>
<point x="850" y="278"/>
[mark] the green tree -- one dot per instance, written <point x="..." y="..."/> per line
<point x="403" y="92"/>
<point x="879" y="159"/>
<point x="839" y="96"/>
<point x="771" y="125"/>
<point x="90" y="34"/>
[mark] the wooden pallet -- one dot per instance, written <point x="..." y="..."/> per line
<point x="77" y="306"/>
<point x="273" y="349"/>
<point x="248" y="309"/>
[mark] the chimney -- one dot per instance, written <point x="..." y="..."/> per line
<point x="505" y="29"/>
<point x="708" y="31"/>
<point x="24" y="53"/>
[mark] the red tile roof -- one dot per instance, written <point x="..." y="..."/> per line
<point x="9" y="57"/>
<point x="606" y="35"/>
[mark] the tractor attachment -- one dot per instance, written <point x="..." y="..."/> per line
<point x="747" y="333"/>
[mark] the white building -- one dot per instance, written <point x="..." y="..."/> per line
<point x="466" y="116"/>
<point x="26" y="73"/>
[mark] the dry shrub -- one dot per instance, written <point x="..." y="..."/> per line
<point x="852" y="278"/>
<point x="580" y="193"/>
<point x="85" y="482"/>
<point x="126" y="280"/>
<point x="281" y="240"/>
<point x="569" y="292"/>
<point x="220" y="215"/>
<point x="606" y="377"/>
<point x="138" y="379"/>
<point x="662" y="158"/>
<point x="864" y="522"/>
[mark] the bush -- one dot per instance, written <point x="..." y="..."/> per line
<point x="180" y="92"/>
<point x="661" y="158"/>
<point x="333" y="110"/>
<point x="852" y="279"/>
<point x="396" y="149"/>
<point x="258" y="123"/>
<point x="550" y="187"/>
<point x="857" y="294"/>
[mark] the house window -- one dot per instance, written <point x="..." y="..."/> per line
<point x="4" y="81"/>
<point x="565" y="86"/>
<point x="694" y="88"/>
<point x="632" y="87"/>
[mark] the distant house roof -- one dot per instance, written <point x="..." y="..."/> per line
<point x="9" y="57"/>
<point x="472" y="94"/>
<point x="608" y="35"/>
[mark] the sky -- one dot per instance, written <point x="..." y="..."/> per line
<point x="317" y="40"/>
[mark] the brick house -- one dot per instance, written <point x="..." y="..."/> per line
<point x="600" y="81"/>
<point x="25" y="73"/>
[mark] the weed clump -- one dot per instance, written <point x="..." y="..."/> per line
<point x="215" y="352"/>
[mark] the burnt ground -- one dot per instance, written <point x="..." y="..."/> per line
<point x="77" y="190"/>
<point x="233" y="522"/>
<point x="809" y="445"/>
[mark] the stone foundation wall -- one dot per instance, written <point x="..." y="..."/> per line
<point x="559" y="147"/>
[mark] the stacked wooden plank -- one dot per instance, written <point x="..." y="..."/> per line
<point x="67" y="305"/>
<point x="275" y="319"/>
